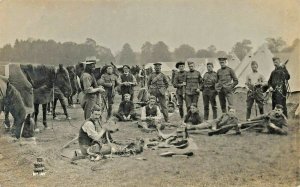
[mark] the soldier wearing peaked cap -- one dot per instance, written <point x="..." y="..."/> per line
<point x="277" y="84"/>
<point x="157" y="85"/>
<point x="180" y="83"/>
<point x="227" y="80"/>
<point x="192" y="88"/>
<point x="209" y="92"/>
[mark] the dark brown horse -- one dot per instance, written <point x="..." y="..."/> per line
<point x="12" y="102"/>
<point x="43" y="79"/>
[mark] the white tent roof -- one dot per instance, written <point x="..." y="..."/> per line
<point x="263" y="57"/>
<point x="233" y="61"/>
<point x="201" y="64"/>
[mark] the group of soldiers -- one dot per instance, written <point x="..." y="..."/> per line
<point x="189" y="84"/>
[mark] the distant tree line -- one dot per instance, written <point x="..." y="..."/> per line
<point x="51" y="52"/>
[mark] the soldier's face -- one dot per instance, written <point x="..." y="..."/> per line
<point x="96" y="114"/>
<point x="91" y="67"/>
<point x="193" y="109"/>
<point x="231" y="112"/>
<point x="109" y="70"/>
<point x="278" y="111"/>
<point x="126" y="69"/>
<point x="181" y="67"/>
<point x="192" y="66"/>
<point x="152" y="102"/>
<point x="276" y="63"/>
<point x="210" y="68"/>
<point x="157" y="68"/>
<point x="127" y="97"/>
<point x="222" y="64"/>
<point x="254" y="67"/>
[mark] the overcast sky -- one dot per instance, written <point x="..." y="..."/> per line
<point x="199" y="23"/>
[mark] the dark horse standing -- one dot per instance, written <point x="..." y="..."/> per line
<point x="43" y="79"/>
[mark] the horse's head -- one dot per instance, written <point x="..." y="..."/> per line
<point x="62" y="81"/>
<point x="79" y="69"/>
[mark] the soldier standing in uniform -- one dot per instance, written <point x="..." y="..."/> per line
<point x="254" y="82"/>
<point x="192" y="88"/>
<point x="142" y="75"/>
<point x="227" y="80"/>
<point x="109" y="81"/>
<point x="89" y="87"/>
<point x="128" y="81"/>
<point x="208" y="91"/>
<point x="180" y="83"/>
<point x="277" y="83"/>
<point x="157" y="85"/>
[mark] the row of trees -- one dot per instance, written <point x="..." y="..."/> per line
<point x="51" y="52"/>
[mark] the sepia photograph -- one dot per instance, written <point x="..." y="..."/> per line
<point x="150" y="93"/>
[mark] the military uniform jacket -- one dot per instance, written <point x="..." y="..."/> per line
<point x="157" y="84"/>
<point x="179" y="78"/>
<point x="277" y="79"/>
<point x="87" y="81"/>
<point x="193" y="81"/>
<point x="209" y="81"/>
<point x="106" y="79"/>
<point x="226" y="79"/>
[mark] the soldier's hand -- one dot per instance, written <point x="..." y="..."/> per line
<point x="101" y="89"/>
<point x="248" y="119"/>
<point x="271" y="89"/>
<point x="184" y="84"/>
<point x="198" y="90"/>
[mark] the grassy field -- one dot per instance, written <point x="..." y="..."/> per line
<point x="251" y="159"/>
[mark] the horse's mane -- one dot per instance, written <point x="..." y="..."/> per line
<point x="40" y="74"/>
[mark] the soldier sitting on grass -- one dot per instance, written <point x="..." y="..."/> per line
<point x="274" y="121"/>
<point x="93" y="137"/>
<point x="193" y="117"/>
<point x="126" y="110"/>
<point x="151" y="115"/>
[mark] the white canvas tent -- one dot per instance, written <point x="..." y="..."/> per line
<point x="201" y="64"/>
<point x="233" y="61"/>
<point x="263" y="57"/>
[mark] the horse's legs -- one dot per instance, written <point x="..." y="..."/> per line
<point x="44" y="106"/>
<point x="49" y="107"/>
<point x="54" y="107"/>
<point x="6" y="119"/>
<point x="36" y="113"/>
